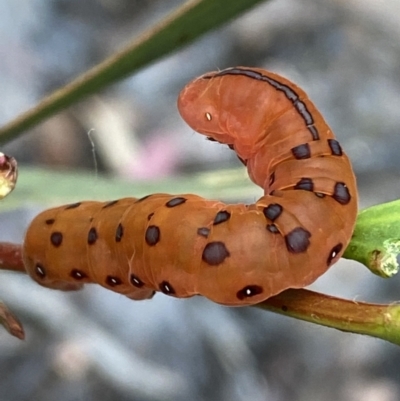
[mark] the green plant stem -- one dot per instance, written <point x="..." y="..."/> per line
<point x="380" y="321"/>
<point x="376" y="239"/>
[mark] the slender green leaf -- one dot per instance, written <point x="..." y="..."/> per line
<point x="45" y="187"/>
<point x="187" y="23"/>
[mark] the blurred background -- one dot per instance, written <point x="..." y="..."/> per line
<point x="95" y="344"/>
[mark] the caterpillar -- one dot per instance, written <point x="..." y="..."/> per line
<point x="185" y="245"/>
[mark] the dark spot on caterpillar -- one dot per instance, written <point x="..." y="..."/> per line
<point x="78" y="274"/>
<point x="203" y="231"/>
<point x="73" y="205"/>
<point x="230" y="146"/>
<point x="249" y="291"/>
<point x="314" y="132"/>
<point x="176" y="201"/>
<point x="119" y="233"/>
<point x="49" y="222"/>
<point x="297" y="240"/>
<point x="136" y="281"/>
<point x="152" y="235"/>
<point x="284" y="308"/>
<point x="40" y="270"/>
<point x="92" y="236"/>
<point x="341" y="193"/>
<point x="167" y="288"/>
<point x="150" y="216"/>
<point x="113" y="281"/>
<point x="319" y="194"/>
<point x="244" y="162"/>
<point x="333" y="253"/>
<point x="305" y="184"/>
<point x="271" y="179"/>
<point x="91" y="219"/>
<point x="215" y="253"/>
<point x="142" y="199"/>
<point x="221" y="217"/>
<point x="111" y="203"/>
<point x="56" y="238"/>
<point x="302" y="151"/>
<point x="301" y="107"/>
<point x="210" y="138"/>
<point x="335" y="147"/>
<point x="272" y="211"/>
<point x="272" y="228"/>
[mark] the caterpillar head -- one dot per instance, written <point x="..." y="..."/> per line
<point x="198" y="106"/>
<point x="227" y="107"/>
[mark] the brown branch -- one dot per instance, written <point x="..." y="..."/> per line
<point x="381" y="321"/>
<point x="11" y="322"/>
<point x="11" y="257"/>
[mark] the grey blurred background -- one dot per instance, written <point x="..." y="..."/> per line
<point x="95" y="344"/>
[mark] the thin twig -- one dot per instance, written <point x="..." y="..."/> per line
<point x="11" y="257"/>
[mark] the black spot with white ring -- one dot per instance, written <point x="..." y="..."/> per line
<point x="40" y="271"/>
<point x="248" y="292"/>
<point x="135" y="280"/>
<point x="166" y="288"/>
<point x="333" y="253"/>
<point x="113" y="281"/>
<point x="78" y="274"/>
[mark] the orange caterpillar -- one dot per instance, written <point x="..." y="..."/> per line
<point x="183" y="245"/>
